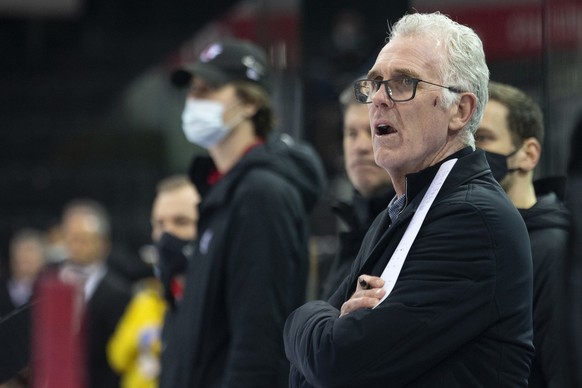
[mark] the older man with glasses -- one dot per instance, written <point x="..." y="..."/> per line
<point x="440" y="294"/>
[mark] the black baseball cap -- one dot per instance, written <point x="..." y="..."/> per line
<point x="227" y="61"/>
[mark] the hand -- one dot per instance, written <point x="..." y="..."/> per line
<point x="368" y="294"/>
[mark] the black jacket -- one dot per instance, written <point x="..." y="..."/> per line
<point x="103" y="311"/>
<point x="572" y="316"/>
<point x="356" y="217"/>
<point x="15" y="332"/>
<point x="6" y="303"/>
<point x="460" y="312"/>
<point x="548" y="224"/>
<point x="248" y="271"/>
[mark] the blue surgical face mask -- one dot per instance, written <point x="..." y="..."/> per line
<point x="202" y="122"/>
<point x="498" y="164"/>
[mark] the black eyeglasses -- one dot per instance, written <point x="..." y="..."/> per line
<point x="397" y="89"/>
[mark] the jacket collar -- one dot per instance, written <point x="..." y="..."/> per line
<point x="474" y="164"/>
<point x="418" y="181"/>
<point x="358" y="214"/>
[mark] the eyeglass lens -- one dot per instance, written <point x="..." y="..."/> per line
<point x="397" y="89"/>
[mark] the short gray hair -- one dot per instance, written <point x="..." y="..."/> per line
<point x="463" y="67"/>
<point x="90" y="207"/>
<point x="26" y="235"/>
<point x="173" y="183"/>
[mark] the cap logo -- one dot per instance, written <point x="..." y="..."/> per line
<point x="254" y="68"/>
<point x="211" y="52"/>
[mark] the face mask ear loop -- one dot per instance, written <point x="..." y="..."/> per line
<point x="513" y="153"/>
<point x="512" y="170"/>
<point x="234" y="122"/>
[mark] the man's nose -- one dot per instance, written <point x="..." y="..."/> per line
<point x="381" y="97"/>
<point x="363" y="142"/>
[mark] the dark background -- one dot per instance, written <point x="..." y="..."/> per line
<point x="61" y="81"/>
<point x="86" y="109"/>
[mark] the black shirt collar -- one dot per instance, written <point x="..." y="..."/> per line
<point x="415" y="182"/>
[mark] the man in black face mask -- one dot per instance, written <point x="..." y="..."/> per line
<point x="134" y="348"/>
<point x="511" y="132"/>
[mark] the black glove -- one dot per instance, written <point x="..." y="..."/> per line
<point x="174" y="254"/>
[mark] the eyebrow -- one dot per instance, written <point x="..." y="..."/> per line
<point x="397" y="73"/>
<point x="371" y="74"/>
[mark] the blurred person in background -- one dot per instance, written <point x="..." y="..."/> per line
<point x="512" y="133"/>
<point x="55" y="245"/>
<point x="86" y="231"/>
<point x="372" y="188"/>
<point x="250" y="263"/>
<point x="15" y="348"/>
<point x="26" y="260"/>
<point x="573" y="272"/>
<point x="135" y="347"/>
<point x="174" y="227"/>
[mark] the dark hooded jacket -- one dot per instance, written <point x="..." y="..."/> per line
<point x="460" y="312"/>
<point x="248" y="271"/>
<point x="356" y="216"/>
<point x="548" y="224"/>
<point x="573" y="274"/>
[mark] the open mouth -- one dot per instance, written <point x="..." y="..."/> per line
<point x="384" y="130"/>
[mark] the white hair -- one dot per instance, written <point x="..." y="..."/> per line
<point x="463" y="67"/>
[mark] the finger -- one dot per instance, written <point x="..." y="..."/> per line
<point x="357" y="304"/>
<point x="363" y="283"/>
<point x="367" y="282"/>
<point x="370" y="293"/>
<point x="365" y="299"/>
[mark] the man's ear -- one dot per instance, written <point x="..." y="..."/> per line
<point x="463" y="111"/>
<point x="533" y="151"/>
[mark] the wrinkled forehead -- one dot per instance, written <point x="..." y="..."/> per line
<point x="417" y="56"/>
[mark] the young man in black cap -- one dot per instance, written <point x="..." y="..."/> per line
<point x="249" y="267"/>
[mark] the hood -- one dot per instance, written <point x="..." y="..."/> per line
<point x="298" y="163"/>
<point x="295" y="161"/>
<point x="359" y="214"/>
<point x="551" y="184"/>
<point x="548" y="212"/>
